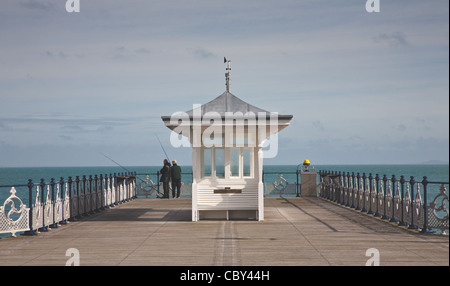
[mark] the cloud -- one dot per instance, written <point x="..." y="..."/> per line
<point x="4" y="127"/>
<point x="13" y="126"/>
<point x="142" y="51"/>
<point x="202" y="53"/>
<point x="71" y="128"/>
<point x="40" y="5"/>
<point x="401" y="127"/>
<point x="318" y="125"/>
<point x="61" y="55"/>
<point x="129" y="52"/>
<point x="394" y="40"/>
<point x="106" y="128"/>
<point x="65" y="137"/>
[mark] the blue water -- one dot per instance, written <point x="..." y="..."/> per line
<point x="20" y="176"/>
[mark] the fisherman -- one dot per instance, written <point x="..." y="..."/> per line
<point x="165" y="178"/>
<point x="175" y="173"/>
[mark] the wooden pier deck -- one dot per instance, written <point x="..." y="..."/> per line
<point x="296" y="232"/>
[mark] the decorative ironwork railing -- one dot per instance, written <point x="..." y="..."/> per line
<point x="275" y="184"/>
<point x="149" y="185"/>
<point x="57" y="202"/>
<point x="32" y="208"/>
<point x="282" y="184"/>
<point x="400" y="201"/>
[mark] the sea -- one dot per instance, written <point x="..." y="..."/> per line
<point x="19" y="176"/>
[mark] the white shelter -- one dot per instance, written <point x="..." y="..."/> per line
<point x="227" y="136"/>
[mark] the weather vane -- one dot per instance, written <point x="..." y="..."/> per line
<point x="228" y="73"/>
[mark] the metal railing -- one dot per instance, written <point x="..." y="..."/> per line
<point x="275" y="184"/>
<point x="149" y="185"/>
<point x="282" y="184"/>
<point x="415" y="204"/>
<point x="57" y="202"/>
<point x="421" y="205"/>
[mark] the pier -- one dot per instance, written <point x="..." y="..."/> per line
<point x="112" y="220"/>
<point x="296" y="232"/>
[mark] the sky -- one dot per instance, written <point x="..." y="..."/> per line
<point x="363" y="88"/>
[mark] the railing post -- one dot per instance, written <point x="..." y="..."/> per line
<point x="411" y="207"/>
<point x="358" y="182"/>
<point x="71" y="215"/>
<point x="393" y="180"/>
<point x="98" y="201"/>
<point x="330" y="187"/>
<point x="370" y="210"/>
<point x="77" y="180"/>
<point x="52" y="184"/>
<point x="329" y="190"/>
<point x="353" y="190"/>
<point x="91" y="201"/>
<point x="63" y="199"/>
<point x="402" y="183"/>
<point x="346" y="189"/>
<point x="364" y="193"/>
<point x="111" y="188"/>
<point x="42" y="185"/>
<point x="377" y="190"/>
<point x="84" y="196"/>
<point x="298" y="186"/>
<point x="30" y="202"/>
<point x="385" y="216"/>
<point x="116" y="190"/>
<point x="102" y="203"/>
<point x="425" y="228"/>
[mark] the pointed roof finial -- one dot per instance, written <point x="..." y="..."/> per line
<point x="228" y="73"/>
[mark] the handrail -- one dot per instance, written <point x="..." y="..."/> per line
<point x="400" y="201"/>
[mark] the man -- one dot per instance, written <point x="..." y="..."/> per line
<point x="165" y="178"/>
<point x="176" y="178"/>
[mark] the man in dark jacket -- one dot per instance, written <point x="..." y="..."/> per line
<point x="176" y="178"/>
<point x="165" y="178"/>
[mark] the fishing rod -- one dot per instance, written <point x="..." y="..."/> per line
<point x="121" y="166"/>
<point x="129" y="170"/>
<point x="116" y="163"/>
<point x="162" y="147"/>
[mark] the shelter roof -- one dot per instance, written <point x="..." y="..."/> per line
<point x="229" y="103"/>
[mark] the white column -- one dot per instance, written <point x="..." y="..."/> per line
<point x="260" y="185"/>
<point x="196" y="165"/>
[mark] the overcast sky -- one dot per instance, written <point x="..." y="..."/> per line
<point x="364" y="88"/>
